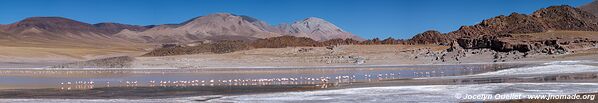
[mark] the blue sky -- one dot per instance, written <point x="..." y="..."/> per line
<point x="366" y="18"/>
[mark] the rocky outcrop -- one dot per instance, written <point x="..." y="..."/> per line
<point x="112" y="62"/>
<point x="274" y="42"/>
<point x="377" y="41"/>
<point x="217" y="47"/>
<point x="340" y="42"/>
<point x="514" y="23"/>
<point x="566" y="18"/>
<point x="285" y="41"/>
<point x="374" y="41"/>
<point x="553" y="18"/>
<point x="494" y="43"/>
<point x="429" y="37"/>
<point x="561" y="43"/>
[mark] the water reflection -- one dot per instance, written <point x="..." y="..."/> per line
<point x="114" y="83"/>
<point x="88" y="79"/>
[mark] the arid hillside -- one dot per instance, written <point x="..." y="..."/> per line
<point x="41" y="40"/>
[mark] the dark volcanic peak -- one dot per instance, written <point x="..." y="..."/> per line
<point x="52" y="24"/>
<point x="46" y="29"/>
<point x="113" y="28"/>
<point x="47" y="20"/>
<point x="552" y="18"/>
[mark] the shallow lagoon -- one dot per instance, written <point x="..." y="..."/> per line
<point x="239" y="85"/>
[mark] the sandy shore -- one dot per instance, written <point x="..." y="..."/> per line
<point x="346" y="56"/>
<point x="309" y="57"/>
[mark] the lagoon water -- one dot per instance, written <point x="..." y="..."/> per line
<point x="423" y="83"/>
<point x="31" y="79"/>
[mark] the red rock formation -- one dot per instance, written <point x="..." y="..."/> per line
<point x="284" y="41"/>
<point x="429" y="37"/>
<point x="552" y="18"/>
<point x="375" y="41"/>
<point x="340" y="42"/>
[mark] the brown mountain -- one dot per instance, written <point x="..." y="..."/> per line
<point x="5" y="36"/>
<point x="591" y="7"/>
<point x="56" y="39"/>
<point x="543" y="20"/>
<point x="429" y="37"/>
<point x="57" y="31"/>
<point x="317" y="29"/>
<point x="52" y="24"/>
<point x="226" y="26"/>
<point x="2" y="27"/>
<point x="222" y="25"/>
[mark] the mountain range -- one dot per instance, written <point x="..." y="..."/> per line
<point x="61" y="30"/>
<point x="226" y="26"/>
<point x="220" y="26"/>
